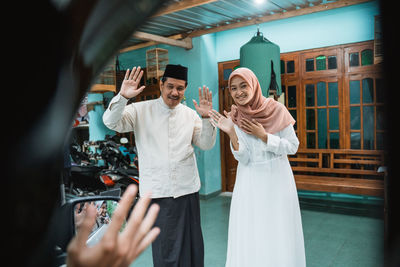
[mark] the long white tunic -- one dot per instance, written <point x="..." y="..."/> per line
<point x="265" y="226"/>
<point x="164" y="140"/>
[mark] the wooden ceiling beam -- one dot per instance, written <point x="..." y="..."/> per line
<point x="150" y="43"/>
<point x="181" y="5"/>
<point x="155" y="39"/>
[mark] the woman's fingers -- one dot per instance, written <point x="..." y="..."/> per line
<point x="215" y="115"/>
<point x="137" y="216"/>
<point x="226" y="114"/>
<point x="146" y="241"/>
<point x="144" y="229"/>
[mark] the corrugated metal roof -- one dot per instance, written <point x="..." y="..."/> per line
<point x="219" y="13"/>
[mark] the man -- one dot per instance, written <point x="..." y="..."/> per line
<point x="165" y="132"/>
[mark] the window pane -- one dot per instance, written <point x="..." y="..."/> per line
<point x="321" y="94"/>
<point x="368" y="127"/>
<point x="354" y="61"/>
<point x="368" y="90"/>
<point x="333" y="119"/>
<point x="333" y="94"/>
<point x="322" y="128"/>
<point x="310" y="102"/>
<point x="293" y="112"/>
<point x="354" y="92"/>
<point x="380" y="96"/>
<point x="291" y="96"/>
<point x="282" y="67"/>
<point x="310" y="119"/>
<point x="320" y="62"/>
<point x="355" y="118"/>
<point x="355" y="140"/>
<point x="227" y="72"/>
<point x="334" y="140"/>
<point x="310" y="140"/>
<point x="367" y="57"/>
<point x="290" y="67"/>
<point x="332" y="64"/>
<point x="310" y="64"/>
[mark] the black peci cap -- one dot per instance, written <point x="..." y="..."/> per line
<point x="176" y="71"/>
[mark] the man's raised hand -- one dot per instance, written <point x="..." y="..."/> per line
<point x="129" y="87"/>
<point x="205" y="102"/>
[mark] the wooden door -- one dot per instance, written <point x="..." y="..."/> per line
<point x="228" y="162"/>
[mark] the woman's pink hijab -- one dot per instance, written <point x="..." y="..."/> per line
<point x="270" y="113"/>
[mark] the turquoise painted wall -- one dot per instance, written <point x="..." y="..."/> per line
<point x="97" y="129"/>
<point x="332" y="27"/>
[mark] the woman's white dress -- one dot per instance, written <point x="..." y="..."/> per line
<point x="265" y="226"/>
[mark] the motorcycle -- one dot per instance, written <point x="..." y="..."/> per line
<point x="84" y="170"/>
<point x="120" y="172"/>
<point x="102" y="166"/>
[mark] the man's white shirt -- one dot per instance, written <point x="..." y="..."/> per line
<point x="164" y="140"/>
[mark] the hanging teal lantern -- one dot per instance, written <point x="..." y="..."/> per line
<point x="263" y="58"/>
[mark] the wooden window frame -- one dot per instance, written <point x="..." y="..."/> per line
<point x="343" y="74"/>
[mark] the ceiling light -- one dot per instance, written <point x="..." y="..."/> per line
<point x="259" y="2"/>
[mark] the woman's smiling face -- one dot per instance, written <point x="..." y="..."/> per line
<point x="240" y="91"/>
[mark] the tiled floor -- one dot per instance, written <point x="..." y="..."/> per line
<point x="331" y="239"/>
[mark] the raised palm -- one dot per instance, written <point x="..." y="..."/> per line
<point x="224" y="123"/>
<point x="129" y="87"/>
<point x="205" y="102"/>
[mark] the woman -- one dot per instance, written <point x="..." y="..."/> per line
<point x="265" y="224"/>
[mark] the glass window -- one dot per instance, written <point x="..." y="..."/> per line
<point x="368" y="90"/>
<point x="355" y="118"/>
<point x="321" y="94"/>
<point x="332" y="64"/>
<point x="310" y="140"/>
<point x="310" y="119"/>
<point x="354" y="92"/>
<point x="227" y="72"/>
<point x="333" y="94"/>
<point x="354" y="61"/>
<point x="334" y="140"/>
<point x="291" y="96"/>
<point x="320" y="62"/>
<point x="368" y="127"/>
<point x="355" y="140"/>
<point x="367" y="57"/>
<point x="290" y="67"/>
<point x="333" y="119"/>
<point x="322" y="128"/>
<point x="310" y="101"/>
<point x="293" y="112"/>
<point x="282" y="67"/>
<point x="309" y="64"/>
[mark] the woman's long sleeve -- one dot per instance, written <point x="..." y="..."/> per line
<point x="284" y="143"/>
<point x="242" y="154"/>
